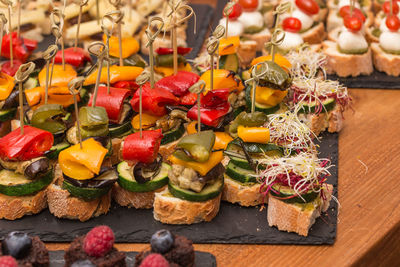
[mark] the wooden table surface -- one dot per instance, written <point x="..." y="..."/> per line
<point x="369" y="185"/>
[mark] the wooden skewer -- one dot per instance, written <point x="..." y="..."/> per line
<point x="149" y="44"/>
<point x="141" y="80"/>
<point x="198" y="88"/>
<point x="227" y="11"/>
<point x="48" y="55"/>
<point x="3" y="22"/>
<point x="74" y="87"/>
<point x="19" y="18"/>
<point x="256" y="76"/>
<point x="99" y="50"/>
<point x="20" y="76"/>
<point x="117" y="5"/>
<point x="57" y="13"/>
<point x="218" y="34"/>
<point x="212" y="46"/>
<point x="81" y="4"/>
<point x="279" y="34"/>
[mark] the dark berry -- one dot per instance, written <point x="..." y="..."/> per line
<point x="83" y="263"/>
<point x="162" y="241"/>
<point x="99" y="241"/>
<point x="17" y="244"/>
<point x="154" y="260"/>
<point x="8" y="261"/>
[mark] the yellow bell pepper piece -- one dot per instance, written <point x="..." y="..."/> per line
<point x="228" y="45"/>
<point x="269" y="96"/>
<point x="254" y="134"/>
<point x="192" y="127"/>
<point x="279" y="59"/>
<point x="60" y="77"/>
<point x="147" y="121"/>
<point x="222" y="140"/>
<point x="6" y="85"/>
<point x="82" y="164"/>
<point x="57" y="95"/>
<point x="166" y="71"/>
<point x="222" y="79"/>
<point x="130" y="46"/>
<point x="276" y="97"/>
<point x="202" y="168"/>
<point x="117" y="74"/>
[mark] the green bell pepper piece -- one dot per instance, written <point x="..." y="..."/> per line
<point x="198" y="146"/>
<point x="50" y="117"/>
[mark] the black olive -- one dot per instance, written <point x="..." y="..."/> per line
<point x="83" y="263"/>
<point x="37" y="168"/>
<point x="151" y="170"/>
<point x="17" y="245"/>
<point x="12" y="100"/>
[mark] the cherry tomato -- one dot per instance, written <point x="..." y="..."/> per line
<point x="345" y="11"/>
<point x="393" y="23"/>
<point x="353" y="23"/>
<point x="249" y="5"/>
<point x="235" y="12"/>
<point x="291" y="24"/>
<point x="386" y="7"/>
<point x="309" y="7"/>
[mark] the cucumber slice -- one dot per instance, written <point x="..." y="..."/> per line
<point x="127" y="181"/>
<point x="240" y="162"/>
<point x="56" y="149"/>
<point x="85" y="193"/>
<point x="8" y="114"/>
<point x="306" y="107"/>
<point x="286" y="194"/>
<point x="15" y="184"/>
<point x="269" y="149"/>
<point x="209" y="191"/>
<point x="239" y="174"/>
<point x="267" y="109"/>
<point x="173" y="134"/>
<point x="120" y="130"/>
<point x="229" y="62"/>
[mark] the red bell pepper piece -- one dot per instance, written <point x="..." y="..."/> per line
<point x="153" y="100"/>
<point x="22" y="48"/>
<point x="113" y="102"/>
<point x="189" y="99"/>
<point x="131" y="85"/>
<point x="168" y="51"/>
<point x="32" y="144"/>
<point x="143" y="149"/>
<point x="74" y="56"/>
<point x="178" y="84"/>
<point x="213" y="107"/>
<point x="7" y="69"/>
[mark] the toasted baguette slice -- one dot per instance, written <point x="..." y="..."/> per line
<point x="246" y="52"/>
<point x="12" y="208"/>
<point x="135" y="200"/>
<point x="260" y="38"/>
<point x="331" y="121"/>
<point x="369" y="36"/>
<point x="388" y="63"/>
<point x="292" y="217"/>
<point x="345" y="64"/>
<point x="116" y="156"/>
<point x="315" y="35"/>
<point x="244" y="195"/>
<point x="171" y="210"/>
<point x="5" y="128"/>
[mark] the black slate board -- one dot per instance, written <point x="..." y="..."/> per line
<point x="233" y="224"/>
<point x="202" y="259"/>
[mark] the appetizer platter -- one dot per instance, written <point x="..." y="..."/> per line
<point x="321" y="23"/>
<point x="229" y="147"/>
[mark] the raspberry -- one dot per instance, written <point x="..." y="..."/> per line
<point x="8" y="261"/>
<point x="154" y="260"/>
<point x="99" y="241"/>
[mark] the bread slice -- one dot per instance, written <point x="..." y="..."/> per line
<point x="246" y="52"/>
<point x="15" y="207"/>
<point x="116" y="156"/>
<point x="171" y="210"/>
<point x="345" y="64"/>
<point x="297" y="218"/>
<point x="63" y="205"/>
<point x="369" y="36"/>
<point x="260" y="38"/>
<point x="135" y="200"/>
<point x="315" y="35"/>
<point x="244" y="195"/>
<point x="331" y="121"/>
<point x="388" y="63"/>
<point x="5" y="128"/>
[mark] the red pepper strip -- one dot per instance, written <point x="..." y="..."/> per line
<point x="178" y="84"/>
<point x="32" y="144"/>
<point x="189" y="99"/>
<point x="131" y="85"/>
<point x="143" y="149"/>
<point x="112" y="102"/>
<point x="213" y="107"/>
<point x="167" y="51"/>
<point x="7" y="69"/>
<point x="76" y="57"/>
<point x="153" y="100"/>
<point x="21" y="51"/>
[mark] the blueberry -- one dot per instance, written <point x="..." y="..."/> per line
<point x="162" y="241"/>
<point x="17" y="244"/>
<point x="83" y="263"/>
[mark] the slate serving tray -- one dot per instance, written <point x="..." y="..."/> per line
<point x="233" y="224"/>
<point x="377" y="80"/>
<point x="202" y="259"/>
